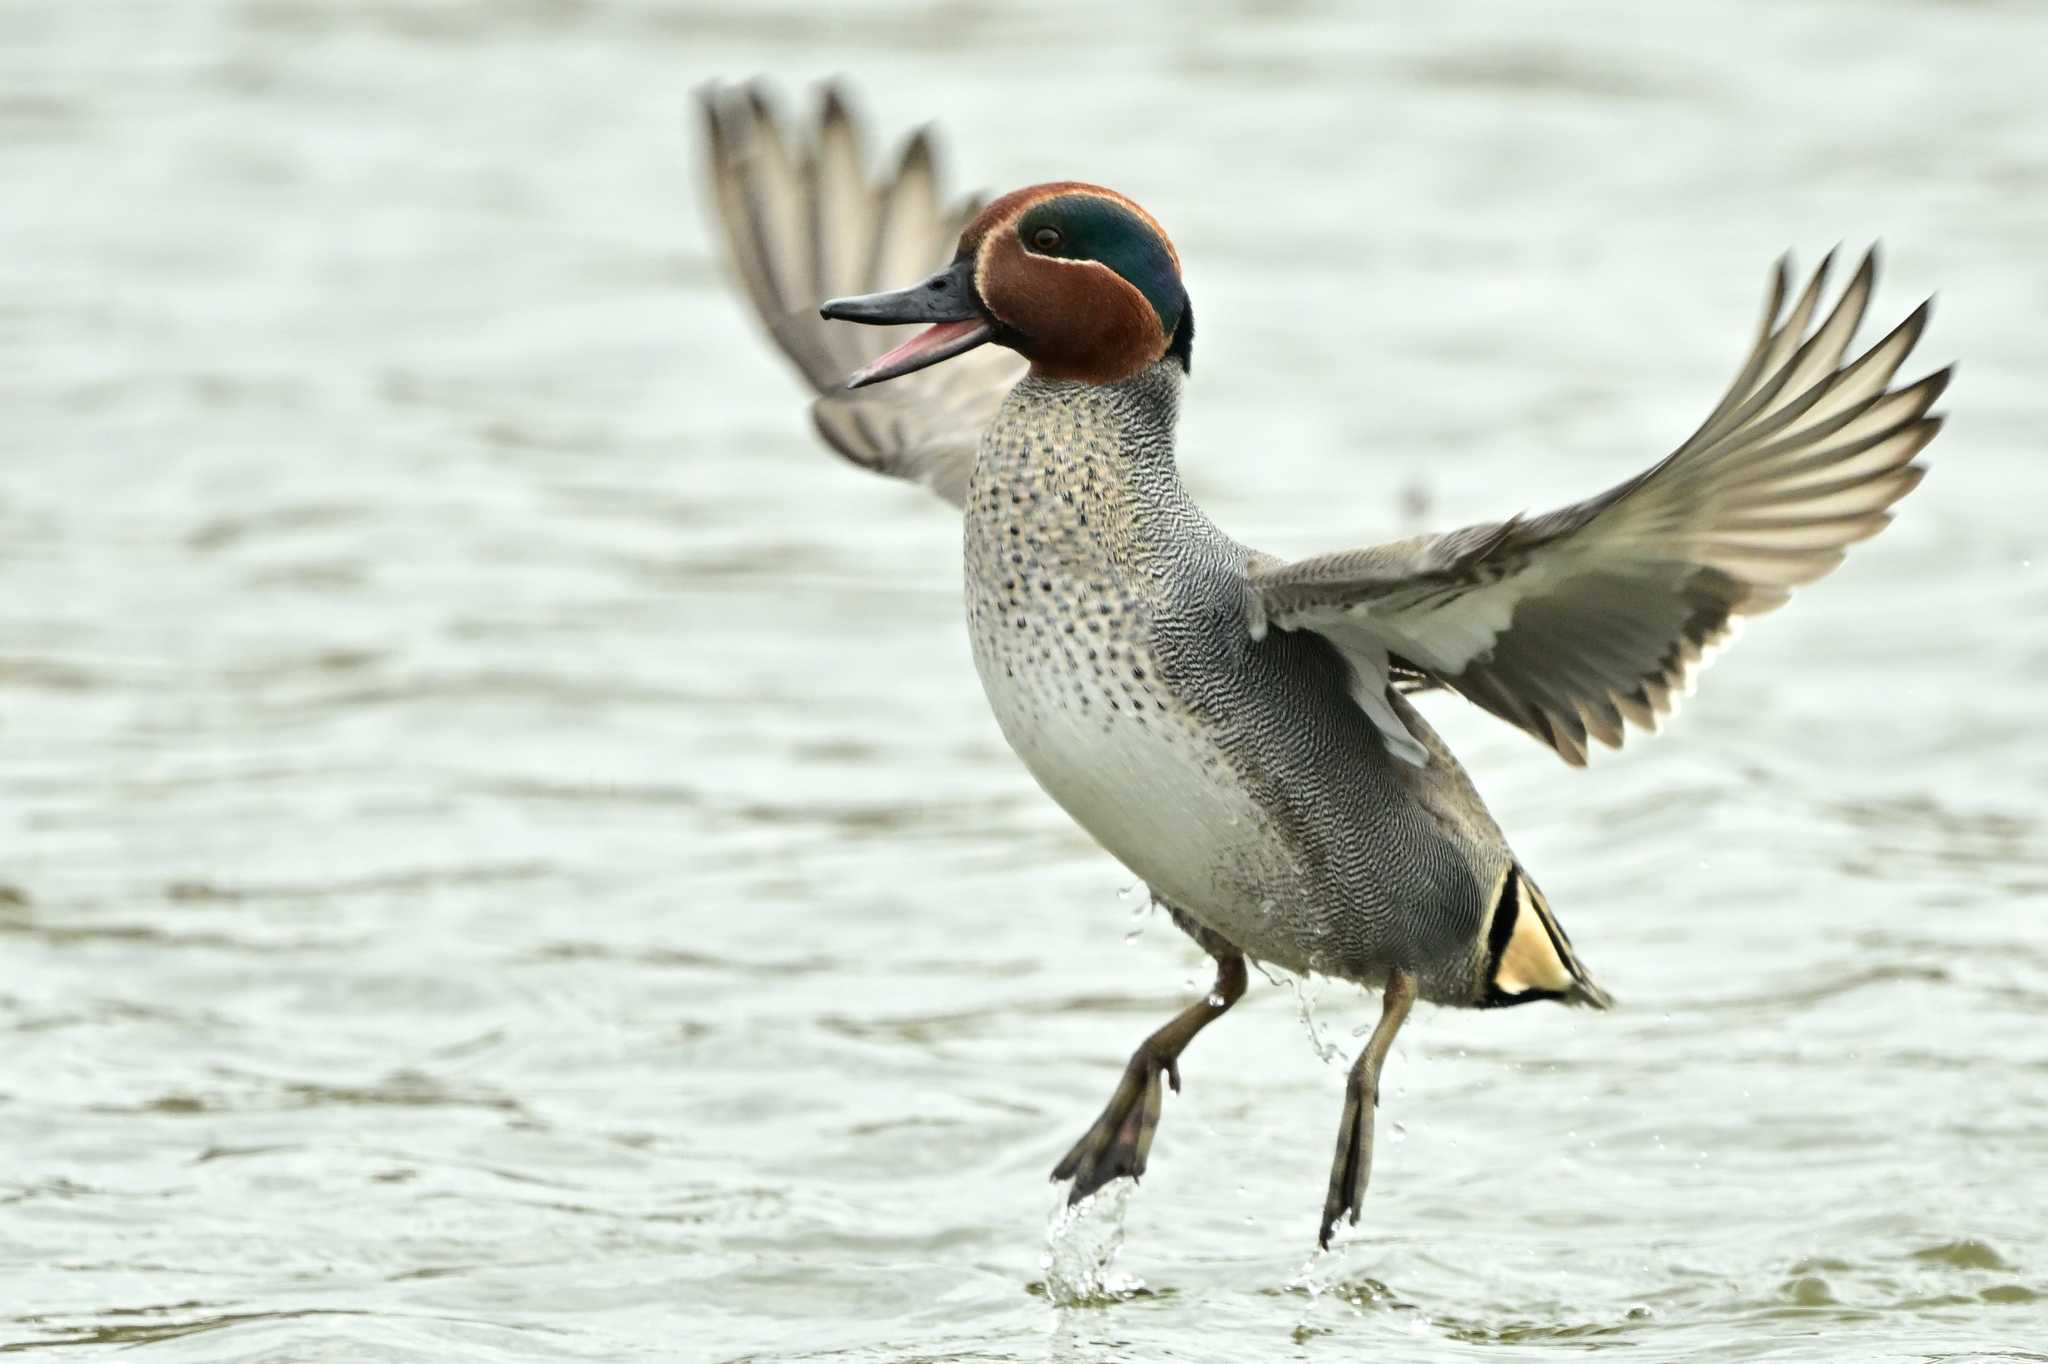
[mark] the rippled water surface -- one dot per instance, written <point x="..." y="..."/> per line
<point x="503" y="854"/>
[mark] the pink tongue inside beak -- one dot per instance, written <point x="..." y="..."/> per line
<point x="928" y="347"/>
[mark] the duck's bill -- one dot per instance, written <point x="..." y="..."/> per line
<point x="927" y="348"/>
<point x="947" y="298"/>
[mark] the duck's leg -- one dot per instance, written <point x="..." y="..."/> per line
<point x="1122" y="1137"/>
<point x="1353" y="1165"/>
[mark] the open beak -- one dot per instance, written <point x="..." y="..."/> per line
<point x="945" y="299"/>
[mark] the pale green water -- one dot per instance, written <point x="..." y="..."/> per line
<point x="503" y="855"/>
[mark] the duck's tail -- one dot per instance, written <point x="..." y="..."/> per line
<point x="1528" y="955"/>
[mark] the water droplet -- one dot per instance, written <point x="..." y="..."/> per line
<point x="1399" y="1132"/>
<point x="1305" y="1004"/>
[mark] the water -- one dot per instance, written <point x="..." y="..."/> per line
<point x="504" y="855"/>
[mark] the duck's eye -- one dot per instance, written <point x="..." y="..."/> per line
<point x="1047" y="239"/>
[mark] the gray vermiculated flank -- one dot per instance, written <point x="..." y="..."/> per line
<point x="1109" y="623"/>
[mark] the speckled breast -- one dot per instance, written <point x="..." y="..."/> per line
<point x="1067" y="605"/>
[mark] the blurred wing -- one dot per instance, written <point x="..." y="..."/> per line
<point x="805" y="222"/>
<point x="1568" y="624"/>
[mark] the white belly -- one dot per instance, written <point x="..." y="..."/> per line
<point x="1139" y="774"/>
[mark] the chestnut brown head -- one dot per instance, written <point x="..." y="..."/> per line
<point x="1076" y="278"/>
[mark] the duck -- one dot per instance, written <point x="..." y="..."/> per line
<point x="1237" y="728"/>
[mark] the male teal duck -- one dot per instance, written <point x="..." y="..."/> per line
<point x="1231" y="726"/>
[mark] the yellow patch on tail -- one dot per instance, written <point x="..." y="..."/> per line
<point x="1530" y="961"/>
<point x="1532" y="958"/>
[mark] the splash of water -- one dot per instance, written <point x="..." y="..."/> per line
<point x="1328" y="1280"/>
<point x="1081" y="1246"/>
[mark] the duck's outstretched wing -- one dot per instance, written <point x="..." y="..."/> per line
<point x="804" y="221"/>
<point x="1571" y="623"/>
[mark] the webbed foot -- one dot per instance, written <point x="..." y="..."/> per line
<point x="1122" y="1137"/>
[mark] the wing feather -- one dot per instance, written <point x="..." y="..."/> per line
<point x="1597" y="616"/>
<point x="803" y="220"/>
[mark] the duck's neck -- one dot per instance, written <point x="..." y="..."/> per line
<point x="1148" y="402"/>
<point x="1124" y="428"/>
<point x="1079" y="474"/>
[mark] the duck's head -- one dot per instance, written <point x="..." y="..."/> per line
<point x="1076" y="278"/>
